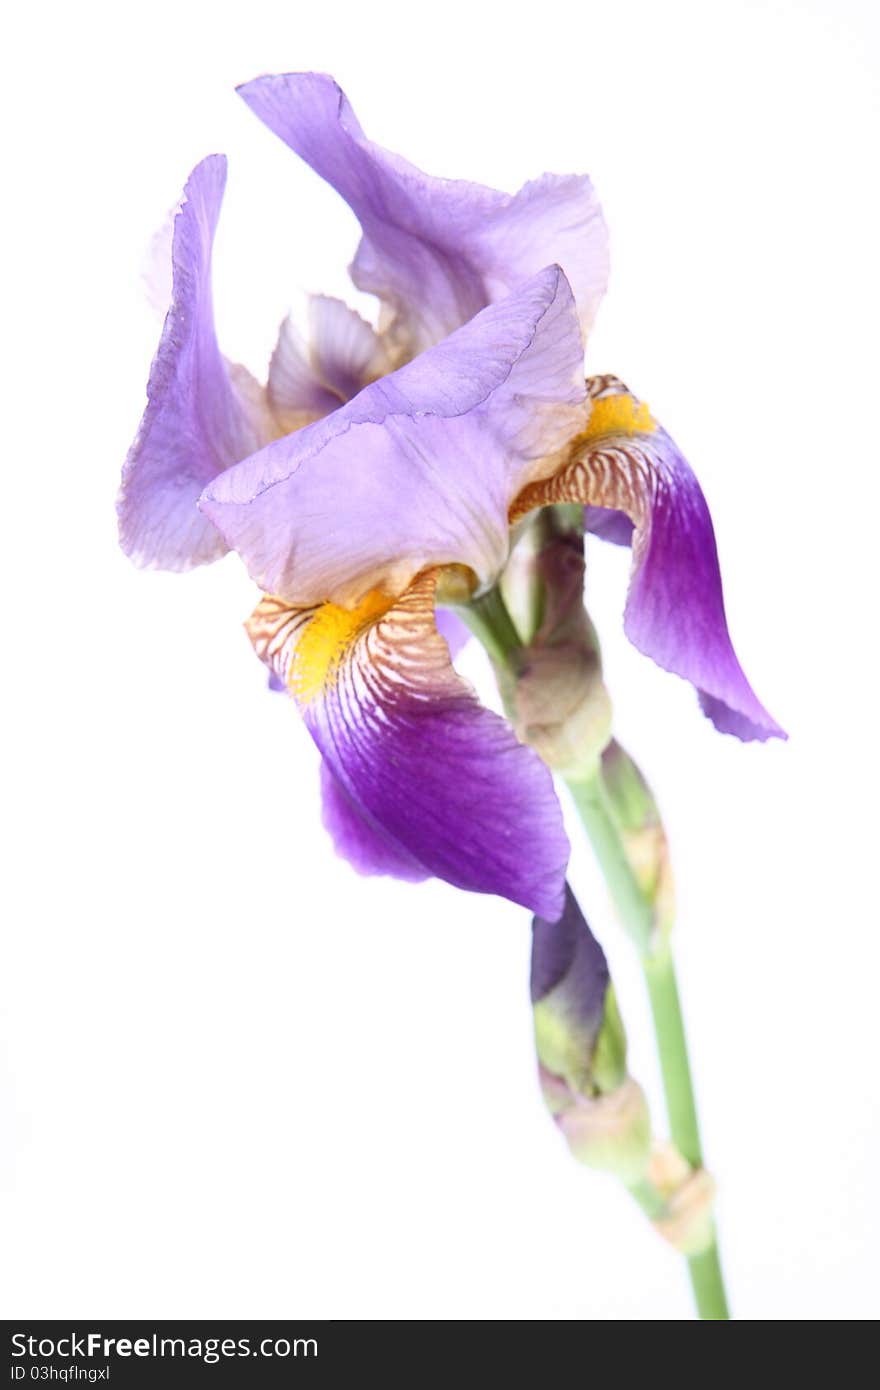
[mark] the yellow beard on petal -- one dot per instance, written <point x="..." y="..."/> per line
<point x="326" y="639"/>
<point x="619" y="415"/>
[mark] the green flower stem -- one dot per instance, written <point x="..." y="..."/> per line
<point x="707" y="1282"/>
<point x="636" y="912"/>
<point x="669" y="1026"/>
<point x="707" y="1279"/>
<point x="490" y="621"/>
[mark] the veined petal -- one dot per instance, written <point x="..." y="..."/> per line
<point x="363" y="843"/>
<point x="202" y="415"/>
<point x="296" y="391"/>
<point x="625" y="462"/>
<point x="421" y="467"/>
<point x="444" y="780"/>
<point x="346" y="350"/>
<point x="310" y="378"/>
<point x="435" y="251"/>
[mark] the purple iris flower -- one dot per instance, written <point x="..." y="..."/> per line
<point x="360" y="497"/>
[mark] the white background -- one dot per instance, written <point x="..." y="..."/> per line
<point x="236" y="1079"/>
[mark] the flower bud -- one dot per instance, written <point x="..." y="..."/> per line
<point x="581" y="1048"/>
<point x="641" y="830"/>
<point x="561" y="706"/>
<point x="610" y="1132"/>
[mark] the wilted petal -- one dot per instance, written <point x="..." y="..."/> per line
<point x="627" y="463"/>
<point x="421" y="467"/>
<point x="444" y="779"/>
<point x="308" y="378"/>
<point x="202" y="415"/>
<point x="435" y="250"/>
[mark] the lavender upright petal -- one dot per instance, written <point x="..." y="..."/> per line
<point x="309" y="379"/>
<point x="201" y="415"/>
<point x="421" y="467"/>
<point x="435" y="250"/>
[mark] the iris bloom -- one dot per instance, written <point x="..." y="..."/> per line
<point x="383" y="472"/>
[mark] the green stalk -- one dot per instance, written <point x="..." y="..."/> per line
<point x="636" y="913"/>
<point x="707" y="1279"/>
<point x="634" y="910"/>
<point x="669" y="1025"/>
<point x="491" y="622"/>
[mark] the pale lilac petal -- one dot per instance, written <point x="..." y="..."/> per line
<point x="444" y="779"/>
<point x="296" y="391"/>
<point x="310" y="377"/>
<point x="627" y="463"/>
<point x="435" y="251"/>
<point x="201" y="415"/>
<point x="421" y="467"/>
<point x="346" y="350"/>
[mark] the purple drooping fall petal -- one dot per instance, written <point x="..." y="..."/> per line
<point x="421" y="467"/>
<point x="202" y="414"/>
<point x="626" y="463"/>
<point x="363" y="843"/>
<point x="435" y="251"/>
<point x="444" y="780"/>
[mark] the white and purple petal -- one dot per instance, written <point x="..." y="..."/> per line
<point x="421" y="467"/>
<point x="434" y="250"/>
<point x="627" y="464"/>
<point x="442" y="782"/>
<point x="202" y="415"/>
